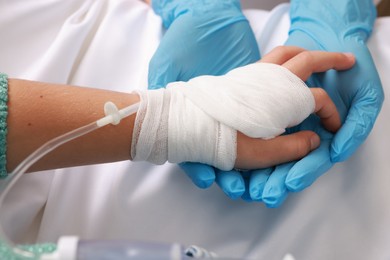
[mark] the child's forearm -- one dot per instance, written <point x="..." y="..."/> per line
<point x="38" y="112"/>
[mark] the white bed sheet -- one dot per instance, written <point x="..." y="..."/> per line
<point x="108" y="44"/>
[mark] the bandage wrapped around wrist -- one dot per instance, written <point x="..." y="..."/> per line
<point x="198" y="120"/>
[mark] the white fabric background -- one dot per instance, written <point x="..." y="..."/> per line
<point x="107" y="44"/>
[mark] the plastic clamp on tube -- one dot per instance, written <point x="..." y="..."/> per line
<point x="114" y="115"/>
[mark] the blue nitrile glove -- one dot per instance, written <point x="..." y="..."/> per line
<point x="203" y="37"/>
<point x="341" y="26"/>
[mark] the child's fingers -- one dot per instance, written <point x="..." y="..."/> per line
<point x="326" y="109"/>
<point x="259" y="153"/>
<point x="308" y="62"/>
<point x="281" y="54"/>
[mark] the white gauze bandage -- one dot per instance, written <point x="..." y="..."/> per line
<point x="198" y="120"/>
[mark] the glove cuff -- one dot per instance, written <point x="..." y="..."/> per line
<point x="169" y="10"/>
<point x="323" y="19"/>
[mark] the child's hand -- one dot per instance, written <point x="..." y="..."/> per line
<point x="259" y="153"/>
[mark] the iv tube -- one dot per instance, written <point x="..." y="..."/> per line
<point x="113" y="116"/>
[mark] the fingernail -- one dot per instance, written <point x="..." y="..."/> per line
<point x="350" y="55"/>
<point x="314" y="142"/>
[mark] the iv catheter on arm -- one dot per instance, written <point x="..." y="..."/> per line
<point x="39" y="112"/>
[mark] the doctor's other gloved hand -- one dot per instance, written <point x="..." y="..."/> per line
<point x="202" y="38"/>
<point x="339" y="26"/>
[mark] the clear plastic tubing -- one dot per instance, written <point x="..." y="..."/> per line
<point x="113" y="116"/>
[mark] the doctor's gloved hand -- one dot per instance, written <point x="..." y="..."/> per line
<point x="202" y="37"/>
<point x="341" y="26"/>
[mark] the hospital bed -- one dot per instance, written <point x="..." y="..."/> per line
<point x="108" y="44"/>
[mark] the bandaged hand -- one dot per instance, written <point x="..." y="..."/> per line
<point x="238" y="123"/>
